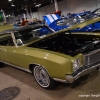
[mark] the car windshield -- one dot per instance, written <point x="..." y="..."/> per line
<point x="70" y="21"/>
<point x="31" y="34"/>
<point x="62" y="22"/>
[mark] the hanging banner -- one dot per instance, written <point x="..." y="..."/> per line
<point x="1" y="17"/>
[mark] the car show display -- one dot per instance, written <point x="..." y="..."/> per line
<point x="49" y="49"/>
<point x="51" y="56"/>
<point x="57" y="23"/>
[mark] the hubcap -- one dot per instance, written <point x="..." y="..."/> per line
<point x="41" y="76"/>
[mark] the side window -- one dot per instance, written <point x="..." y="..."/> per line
<point x="6" y="40"/>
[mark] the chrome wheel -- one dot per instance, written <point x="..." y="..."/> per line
<point x="41" y="76"/>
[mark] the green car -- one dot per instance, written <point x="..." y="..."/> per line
<point x="62" y="56"/>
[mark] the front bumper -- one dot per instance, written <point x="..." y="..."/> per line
<point x="81" y="72"/>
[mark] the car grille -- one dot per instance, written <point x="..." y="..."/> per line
<point x="92" y="57"/>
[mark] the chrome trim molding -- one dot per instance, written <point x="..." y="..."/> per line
<point x="27" y="70"/>
<point x="92" y="57"/>
<point x="14" y="40"/>
<point x="93" y="52"/>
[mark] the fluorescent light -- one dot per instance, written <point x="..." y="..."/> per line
<point x="7" y="16"/>
<point x="9" y="0"/>
<point x="12" y="5"/>
<point x="38" y="5"/>
<point x="35" y="3"/>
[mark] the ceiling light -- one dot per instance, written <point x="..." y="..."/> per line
<point x="7" y="16"/>
<point x="38" y="5"/>
<point x="51" y="1"/>
<point x="35" y="3"/>
<point x="12" y="5"/>
<point x="9" y="0"/>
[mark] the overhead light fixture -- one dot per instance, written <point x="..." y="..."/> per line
<point x="51" y="1"/>
<point x="38" y="5"/>
<point x="7" y="16"/>
<point x="12" y="5"/>
<point x="34" y="3"/>
<point x="9" y="0"/>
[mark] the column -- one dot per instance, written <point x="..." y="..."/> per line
<point x="56" y="5"/>
<point x="5" y="21"/>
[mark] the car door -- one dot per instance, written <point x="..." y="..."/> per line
<point x="1" y="53"/>
<point x="9" y="55"/>
<point x="7" y="50"/>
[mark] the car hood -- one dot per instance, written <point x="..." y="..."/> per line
<point x="76" y="26"/>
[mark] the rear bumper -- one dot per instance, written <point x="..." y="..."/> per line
<point x="81" y="72"/>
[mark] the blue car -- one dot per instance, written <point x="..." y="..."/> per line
<point x="57" y="23"/>
<point x="51" y="21"/>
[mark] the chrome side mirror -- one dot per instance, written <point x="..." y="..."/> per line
<point x="19" y="42"/>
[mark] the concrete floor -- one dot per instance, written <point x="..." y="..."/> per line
<point x="31" y="91"/>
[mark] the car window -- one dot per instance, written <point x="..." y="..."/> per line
<point x="6" y="40"/>
<point x="65" y="21"/>
<point x="61" y="22"/>
<point x="29" y="35"/>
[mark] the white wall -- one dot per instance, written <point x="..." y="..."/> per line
<point x="35" y="15"/>
<point x="73" y="6"/>
<point x="41" y="12"/>
<point x="46" y="10"/>
<point x="50" y="9"/>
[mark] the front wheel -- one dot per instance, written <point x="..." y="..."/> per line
<point x="42" y="78"/>
<point x="1" y="64"/>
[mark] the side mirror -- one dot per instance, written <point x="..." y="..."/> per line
<point x="19" y="42"/>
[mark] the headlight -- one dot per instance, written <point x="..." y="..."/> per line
<point x="76" y="64"/>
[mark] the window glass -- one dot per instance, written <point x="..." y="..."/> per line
<point x="6" y="40"/>
<point x="29" y="35"/>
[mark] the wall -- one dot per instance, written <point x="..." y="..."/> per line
<point x="20" y="16"/>
<point x="73" y="6"/>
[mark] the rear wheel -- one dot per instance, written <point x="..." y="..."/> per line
<point x="42" y="78"/>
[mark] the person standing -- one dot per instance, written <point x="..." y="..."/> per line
<point x="24" y="22"/>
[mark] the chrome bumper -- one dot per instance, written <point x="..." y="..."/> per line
<point x="81" y="72"/>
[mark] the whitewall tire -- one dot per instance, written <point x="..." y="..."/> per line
<point x="42" y="78"/>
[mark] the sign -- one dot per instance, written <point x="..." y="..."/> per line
<point x="1" y="17"/>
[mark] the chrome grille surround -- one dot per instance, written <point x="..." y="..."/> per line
<point x="92" y="57"/>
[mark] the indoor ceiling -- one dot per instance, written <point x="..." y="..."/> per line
<point x="18" y="5"/>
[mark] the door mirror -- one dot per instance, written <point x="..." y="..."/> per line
<point x="19" y="42"/>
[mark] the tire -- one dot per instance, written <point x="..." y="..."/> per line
<point x="42" y="78"/>
<point x="1" y="64"/>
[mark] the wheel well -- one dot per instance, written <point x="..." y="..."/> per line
<point x="31" y="66"/>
